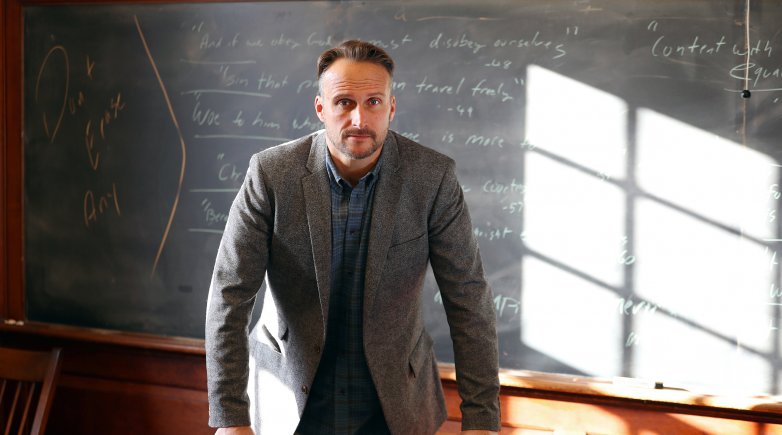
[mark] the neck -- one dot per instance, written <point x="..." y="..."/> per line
<point x="350" y="169"/>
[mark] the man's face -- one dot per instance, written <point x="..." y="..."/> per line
<point x="356" y="106"/>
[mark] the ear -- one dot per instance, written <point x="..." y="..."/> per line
<point x="393" y="109"/>
<point x="319" y="108"/>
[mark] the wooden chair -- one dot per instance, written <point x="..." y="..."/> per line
<point x="27" y="383"/>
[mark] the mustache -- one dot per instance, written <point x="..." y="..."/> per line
<point x="359" y="132"/>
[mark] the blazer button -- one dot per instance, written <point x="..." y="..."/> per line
<point x="304" y="389"/>
<point x="317" y="349"/>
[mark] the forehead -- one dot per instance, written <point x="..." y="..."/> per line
<point x="350" y="76"/>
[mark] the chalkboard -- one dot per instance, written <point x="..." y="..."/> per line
<point x="625" y="193"/>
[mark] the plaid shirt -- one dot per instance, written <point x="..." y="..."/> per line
<point x="343" y="399"/>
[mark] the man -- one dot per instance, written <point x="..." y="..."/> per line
<point x="342" y="224"/>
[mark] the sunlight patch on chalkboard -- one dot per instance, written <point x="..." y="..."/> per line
<point x="699" y="271"/>
<point x="568" y="318"/>
<point x="574" y="217"/>
<point x="704" y="173"/>
<point x="673" y="226"/>
<point x="584" y="124"/>
<point x="677" y="352"/>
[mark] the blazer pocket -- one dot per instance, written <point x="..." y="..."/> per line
<point x="268" y="339"/>
<point x="421" y="354"/>
<point x="408" y="240"/>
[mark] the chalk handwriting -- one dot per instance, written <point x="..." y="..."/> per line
<point x="306" y="84"/>
<point x="760" y="47"/>
<point x="773" y="191"/>
<point x="490" y="233"/>
<point x="772" y="262"/>
<point x="774" y="291"/>
<point x="484" y="141"/>
<point x="514" y="207"/>
<point x="527" y="145"/>
<point x="205" y="116"/>
<point x="259" y="121"/>
<point x="229" y="172"/>
<point x="631" y="307"/>
<point x="411" y="135"/>
<point x="504" y="306"/>
<point x="285" y="42"/>
<point x="392" y="44"/>
<point x="461" y="41"/>
<point x="51" y="132"/>
<point x="76" y="103"/>
<point x="503" y="189"/>
<point x="313" y="39"/>
<point x="209" y="42"/>
<point x="625" y="257"/>
<point x="756" y="72"/>
<point x="504" y="64"/>
<point x="696" y="46"/>
<point x="271" y="82"/>
<point x="306" y="124"/>
<point x="436" y="88"/>
<point x="491" y="91"/>
<point x="229" y="79"/>
<point x="462" y="111"/>
<point x="211" y="216"/>
<point x="536" y="41"/>
<point x="109" y="115"/>
<point x="633" y="339"/>
<point x="96" y="206"/>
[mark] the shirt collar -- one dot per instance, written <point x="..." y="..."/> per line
<point x="370" y="178"/>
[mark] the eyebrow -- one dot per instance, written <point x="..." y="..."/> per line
<point x="350" y="97"/>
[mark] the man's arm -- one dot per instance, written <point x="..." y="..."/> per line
<point x="238" y="274"/>
<point x="468" y="303"/>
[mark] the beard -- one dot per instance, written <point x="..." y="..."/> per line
<point x="358" y="154"/>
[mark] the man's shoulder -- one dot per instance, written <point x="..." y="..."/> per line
<point x="289" y="150"/>
<point x="286" y="157"/>
<point x="421" y="157"/>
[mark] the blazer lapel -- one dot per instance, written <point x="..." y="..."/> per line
<point x="317" y="198"/>
<point x="387" y="193"/>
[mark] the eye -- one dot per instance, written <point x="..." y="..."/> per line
<point x="375" y="101"/>
<point x="344" y="102"/>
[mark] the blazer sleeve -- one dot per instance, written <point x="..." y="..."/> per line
<point x="468" y="302"/>
<point x="239" y="270"/>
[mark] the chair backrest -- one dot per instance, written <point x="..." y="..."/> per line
<point x="27" y="383"/>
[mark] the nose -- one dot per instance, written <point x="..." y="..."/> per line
<point x="358" y="116"/>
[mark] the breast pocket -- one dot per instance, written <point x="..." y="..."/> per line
<point x="410" y="251"/>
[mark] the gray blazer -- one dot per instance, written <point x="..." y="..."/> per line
<point x="279" y="227"/>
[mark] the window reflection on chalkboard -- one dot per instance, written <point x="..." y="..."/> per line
<point x="574" y="221"/>
<point x="710" y="234"/>
<point x="649" y="242"/>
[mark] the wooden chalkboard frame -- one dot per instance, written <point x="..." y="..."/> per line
<point x="515" y="383"/>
